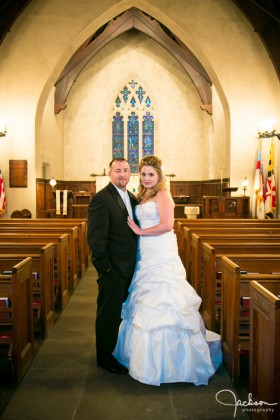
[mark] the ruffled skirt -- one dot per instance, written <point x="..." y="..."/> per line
<point x="162" y="338"/>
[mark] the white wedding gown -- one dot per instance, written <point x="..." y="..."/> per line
<point x="162" y="337"/>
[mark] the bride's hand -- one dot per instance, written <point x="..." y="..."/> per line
<point x="136" y="229"/>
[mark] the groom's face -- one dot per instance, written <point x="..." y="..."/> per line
<point x="120" y="174"/>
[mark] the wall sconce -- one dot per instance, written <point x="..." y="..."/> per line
<point x="3" y="129"/>
<point x="268" y="135"/>
<point x="245" y="184"/>
<point x="267" y="130"/>
<point x="52" y="182"/>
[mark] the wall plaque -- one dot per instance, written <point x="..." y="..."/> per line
<point x="18" y="173"/>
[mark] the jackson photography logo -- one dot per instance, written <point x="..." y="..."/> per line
<point x="228" y="397"/>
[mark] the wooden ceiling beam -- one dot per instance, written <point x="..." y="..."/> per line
<point x="131" y="19"/>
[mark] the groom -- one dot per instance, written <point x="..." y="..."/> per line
<point x="113" y="247"/>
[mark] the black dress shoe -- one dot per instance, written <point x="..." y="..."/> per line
<point x="112" y="365"/>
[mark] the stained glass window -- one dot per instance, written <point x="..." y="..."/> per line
<point x="132" y="124"/>
<point x="118" y="140"/>
<point x="148" y="135"/>
<point x="133" y="142"/>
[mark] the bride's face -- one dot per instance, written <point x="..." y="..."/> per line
<point x="149" y="177"/>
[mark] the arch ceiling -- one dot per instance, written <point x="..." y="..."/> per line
<point x="133" y="19"/>
<point x="264" y="16"/>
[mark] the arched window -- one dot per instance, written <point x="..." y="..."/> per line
<point x="132" y="124"/>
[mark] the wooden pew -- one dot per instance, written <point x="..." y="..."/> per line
<point x="228" y="230"/>
<point x="198" y="224"/>
<point x="264" y="366"/>
<point x="16" y="334"/>
<point x="83" y="249"/>
<point x="82" y="225"/>
<point x="177" y="224"/>
<point x="244" y="255"/>
<point x="234" y="333"/>
<point x="72" y="233"/>
<point x="62" y="270"/>
<point x="185" y="230"/>
<point x="43" y="287"/>
<point x="204" y="221"/>
<point x="194" y="254"/>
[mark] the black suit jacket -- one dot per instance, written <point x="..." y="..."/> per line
<point x="111" y="241"/>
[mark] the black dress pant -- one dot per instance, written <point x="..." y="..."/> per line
<point x="112" y="292"/>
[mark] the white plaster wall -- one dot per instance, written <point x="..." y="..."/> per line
<point x="42" y="40"/>
<point x="179" y="122"/>
<point x="49" y="141"/>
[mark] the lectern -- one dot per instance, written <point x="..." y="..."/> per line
<point x="220" y="207"/>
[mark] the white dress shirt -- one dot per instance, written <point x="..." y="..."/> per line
<point x="126" y="200"/>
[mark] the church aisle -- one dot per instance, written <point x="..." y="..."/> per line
<point x="64" y="382"/>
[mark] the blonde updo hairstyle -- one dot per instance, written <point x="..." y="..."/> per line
<point x="156" y="163"/>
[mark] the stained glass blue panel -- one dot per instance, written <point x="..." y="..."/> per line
<point x="118" y="102"/>
<point x="148" y="135"/>
<point x="132" y="102"/>
<point x="118" y="136"/>
<point x="125" y="92"/>
<point x="148" y="102"/>
<point x="133" y="83"/>
<point x="140" y="92"/>
<point x="133" y="142"/>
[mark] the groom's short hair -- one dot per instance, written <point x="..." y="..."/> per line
<point x="119" y="159"/>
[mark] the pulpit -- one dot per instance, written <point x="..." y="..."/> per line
<point x="220" y="207"/>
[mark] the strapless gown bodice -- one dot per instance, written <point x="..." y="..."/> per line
<point x="162" y="337"/>
<point x="147" y="214"/>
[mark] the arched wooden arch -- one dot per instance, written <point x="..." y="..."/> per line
<point x="133" y="19"/>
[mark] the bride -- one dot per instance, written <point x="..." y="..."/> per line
<point x="162" y="338"/>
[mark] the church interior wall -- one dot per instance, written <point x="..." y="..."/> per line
<point x="42" y="40"/>
<point x="88" y="117"/>
<point x="50" y="142"/>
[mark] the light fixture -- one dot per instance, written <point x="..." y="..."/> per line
<point x="52" y="182"/>
<point x="245" y="184"/>
<point x="3" y="129"/>
<point x="267" y="135"/>
<point x="266" y="129"/>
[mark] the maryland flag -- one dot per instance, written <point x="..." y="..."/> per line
<point x="259" y="188"/>
<point x="270" y="194"/>
<point x="2" y="195"/>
